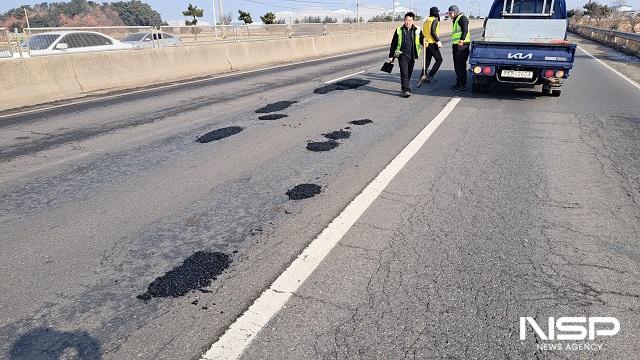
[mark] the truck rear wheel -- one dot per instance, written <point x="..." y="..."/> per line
<point x="556" y="93"/>
<point x="479" y="86"/>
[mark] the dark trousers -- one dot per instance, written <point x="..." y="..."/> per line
<point x="406" y="69"/>
<point x="460" y="57"/>
<point x="433" y="51"/>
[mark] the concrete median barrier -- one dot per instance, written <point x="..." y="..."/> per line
<point x="39" y="80"/>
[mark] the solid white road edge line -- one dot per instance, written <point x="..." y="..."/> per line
<point x="239" y="335"/>
<point x="610" y="68"/>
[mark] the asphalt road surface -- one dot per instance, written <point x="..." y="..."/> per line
<point x="124" y="237"/>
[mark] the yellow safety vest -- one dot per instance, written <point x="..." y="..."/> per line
<point x="456" y="32"/>
<point x="426" y="29"/>
<point x="401" y="41"/>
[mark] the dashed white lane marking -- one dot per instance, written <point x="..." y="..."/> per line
<point x="239" y="335"/>
<point x="610" y="68"/>
<point x="345" y="77"/>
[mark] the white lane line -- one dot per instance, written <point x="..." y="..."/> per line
<point x="107" y="97"/>
<point x="237" y="338"/>
<point x="344" y="77"/>
<point x="610" y="68"/>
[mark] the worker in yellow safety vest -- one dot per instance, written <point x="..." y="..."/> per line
<point x="461" y="39"/>
<point x="406" y="46"/>
<point x="432" y="44"/>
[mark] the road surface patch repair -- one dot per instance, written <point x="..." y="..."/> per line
<point x="322" y="145"/>
<point x="275" y="107"/>
<point x="196" y="272"/>
<point x="349" y="84"/>
<point x="272" y="117"/>
<point x="303" y="191"/>
<point x="337" y="135"/>
<point x="219" y="134"/>
<point x="361" y="122"/>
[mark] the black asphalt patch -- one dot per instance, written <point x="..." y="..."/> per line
<point x="303" y="191"/>
<point x="361" y="122"/>
<point x="197" y="271"/>
<point x="219" y="134"/>
<point x="275" y="107"/>
<point x="272" y="117"/>
<point x="322" y="145"/>
<point x="337" y="135"/>
<point x="348" y="84"/>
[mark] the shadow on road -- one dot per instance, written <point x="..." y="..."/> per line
<point x="49" y="344"/>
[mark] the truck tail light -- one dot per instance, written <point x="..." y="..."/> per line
<point x="477" y="70"/>
<point x="560" y="74"/>
<point x="548" y="73"/>
<point x="486" y="70"/>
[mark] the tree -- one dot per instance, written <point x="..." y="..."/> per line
<point x="596" y="11"/>
<point x="194" y="12"/>
<point x="245" y="16"/>
<point x="137" y="13"/>
<point x="268" y="18"/>
<point x="329" y="20"/>
<point x="225" y="19"/>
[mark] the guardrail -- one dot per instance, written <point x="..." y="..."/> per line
<point x="623" y="41"/>
<point x="197" y="35"/>
<point x="5" y="44"/>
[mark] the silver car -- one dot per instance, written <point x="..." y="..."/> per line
<point x="141" y="40"/>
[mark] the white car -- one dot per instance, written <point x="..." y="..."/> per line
<point x="141" y="40"/>
<point x="69" y="42"/>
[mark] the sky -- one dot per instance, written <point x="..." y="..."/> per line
<point x="171" y="9"/>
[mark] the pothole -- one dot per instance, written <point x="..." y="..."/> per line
<point x="322" y="145"/>
<point x="303" y="191"/>
<point x="219" y="134"/>
<point x="196" y="272"/>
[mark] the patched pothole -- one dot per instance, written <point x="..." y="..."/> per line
<point x="322" y="145"/>
<point x="272" y="117"/>
<point x="275" y="107"/>
<point x="337" y="135"/>
<point x="196" y="272"/>
<point x="361" y="122"/>
<point x="219" y="134"/>
<point x="349" y="84"/>
<point x="304" y="191"/>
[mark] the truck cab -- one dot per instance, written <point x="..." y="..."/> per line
<point x="524" y="45"/>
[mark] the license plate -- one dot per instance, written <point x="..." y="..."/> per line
<point x="517" y="74"/>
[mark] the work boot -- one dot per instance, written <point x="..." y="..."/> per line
<point x="406" y="93"/>
<point x="460" y="88"/>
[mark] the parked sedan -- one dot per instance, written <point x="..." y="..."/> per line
<point x="141" y="40"/>
<point x="65" y="42"/>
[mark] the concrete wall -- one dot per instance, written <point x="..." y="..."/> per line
<point x="28" y="82"/>
<point x="609" y="38"/>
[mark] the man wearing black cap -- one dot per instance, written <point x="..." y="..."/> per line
<point x="432" y="43"/>
<point x="461" y="39"/>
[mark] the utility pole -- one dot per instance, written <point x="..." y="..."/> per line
<point x="221" y="7"/>
<point x="411" y="5"/>
<point x="215" y="21"/>
<point x="26" y="17"/>
<point x="357" y="11"/>
<point x="393" y="11"/>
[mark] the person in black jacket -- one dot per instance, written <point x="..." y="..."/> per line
<point x="406" y="46"/>
<point x="432" y="43"/>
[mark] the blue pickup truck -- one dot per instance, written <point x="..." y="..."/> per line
<point x="524" y="44"/>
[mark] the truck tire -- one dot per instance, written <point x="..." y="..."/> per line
<point x="556" y="93"/>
